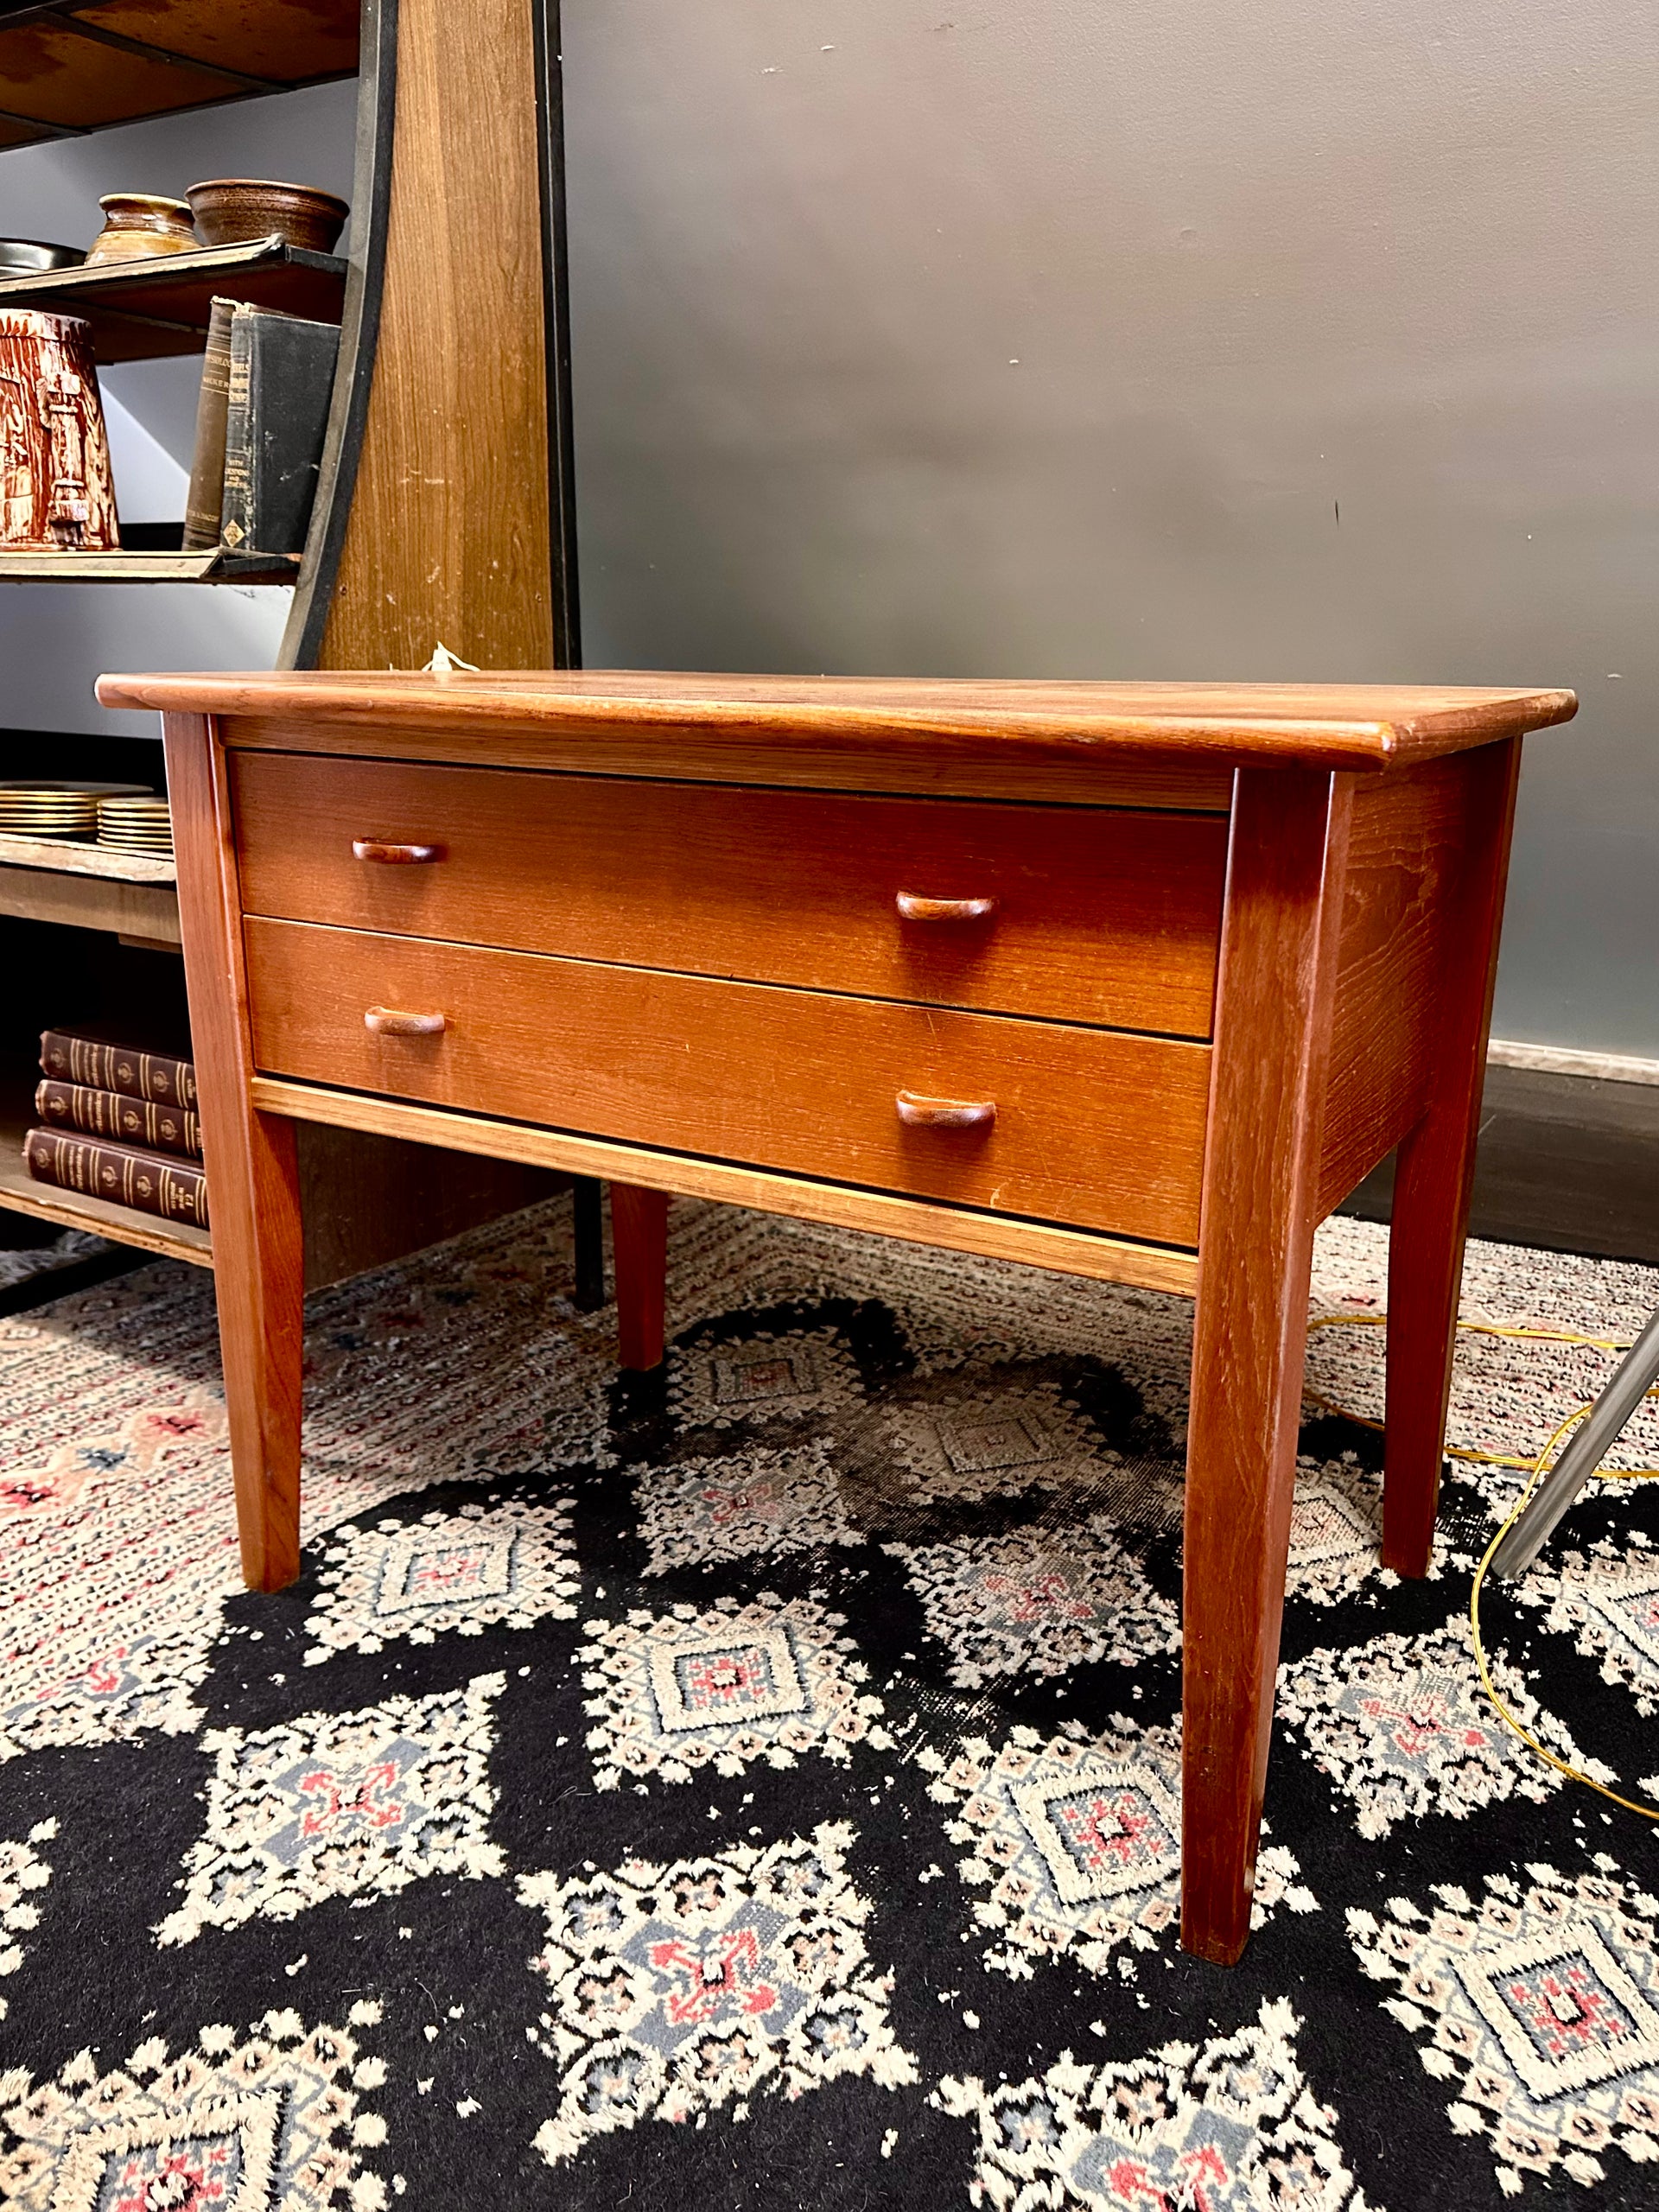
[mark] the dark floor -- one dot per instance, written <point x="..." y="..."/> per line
<point x="1566" y="1162"/>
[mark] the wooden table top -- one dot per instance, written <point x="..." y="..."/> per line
<point x="1361" y="726"/>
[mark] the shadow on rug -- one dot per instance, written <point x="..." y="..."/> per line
<point x="758" y="1783"/>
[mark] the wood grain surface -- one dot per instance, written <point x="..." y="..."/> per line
<point x="1338" y="726"/>
<point x="1402" y="913"/>
<point x="1435" y="1170"/>
<point x="1099" y="916"/>
<point x="979" y="765"/>
<point x="1278" y="974"/>
<point x="1095" y="1128"/>
<point x="640" y="1248"/>
<point x="447" y="539"/>
<point x="954" y="1229"/>
<point x="91" y="902"/>
<point x="252" y="1173"/>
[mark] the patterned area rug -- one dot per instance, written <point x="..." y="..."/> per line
<point x="758" y="1783"/>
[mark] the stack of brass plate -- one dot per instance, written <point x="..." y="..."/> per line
<point x="136" y="825"/>
<point x="42" y="806"/>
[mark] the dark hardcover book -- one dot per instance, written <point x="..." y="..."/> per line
<point x="148" y="1182"/>
<point x="100" y="1066"/>
<point x="282" y="378"/>
<point x="127" y="1120"/>
<point x="206" y="497"/>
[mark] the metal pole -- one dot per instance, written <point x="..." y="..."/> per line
<point x="1632" y="1379"/>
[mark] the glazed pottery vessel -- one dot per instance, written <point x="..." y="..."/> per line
<point x="230" y="209"/>
<point x="138" y="226"/>
<point x="55" y="494"/>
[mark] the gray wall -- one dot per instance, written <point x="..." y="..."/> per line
<point x="1287" y="340"/>
<point x="1147" y="339"/>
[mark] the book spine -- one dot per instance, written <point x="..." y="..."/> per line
<point x="118" y="1067"/>
<point x="128" y="1121"/>
<point x="176" y="1189"/>
<point x="281" y="379"/>
<point x="236" y="497"/>
<point x="206" y="497"/>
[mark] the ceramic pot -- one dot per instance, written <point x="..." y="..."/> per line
<point x="230" y="209"/>
<point x="138" y="226"/>
<point x="55" y="494"/>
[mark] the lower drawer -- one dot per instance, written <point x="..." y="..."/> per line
<point x="1098" y="1128"/>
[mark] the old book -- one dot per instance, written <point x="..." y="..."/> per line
<point x="128" y="1176"/>
<point x="127" y="1120"/>
<point x="101" y="1066"/>
<point x="206" y="494"/>
<point x="280" y="380"/>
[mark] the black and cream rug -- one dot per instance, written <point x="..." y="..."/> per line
<point x="757" y="1785"/>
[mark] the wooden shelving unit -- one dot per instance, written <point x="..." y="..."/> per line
<point x="68" y="67"/>
<point x="214" y="566"/>
<point x="79" y="886"/>
<point x="71" y="856"/>
<point x="150" y="311"/>
<point x="446" y="498"/>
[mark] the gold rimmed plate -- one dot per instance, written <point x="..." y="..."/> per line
<point x="55" y="787"/>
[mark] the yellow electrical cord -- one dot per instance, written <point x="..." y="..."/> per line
<point x="1534" y="1471"/>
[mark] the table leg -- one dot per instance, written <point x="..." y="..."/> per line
<point x="640" y="1248"/>
<point x="586" y="1194"/>
<point x="1285" y="866"/>
<point x="259" y="1274"/>
<point x="1434" y="1174"/>
<point x="253" y="1184"/>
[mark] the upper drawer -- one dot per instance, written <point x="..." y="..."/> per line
<point x="1097" y="915"/>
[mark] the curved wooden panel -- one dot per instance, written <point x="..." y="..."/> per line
<point x="359" y="326"/>
<point x="448" y="537"/>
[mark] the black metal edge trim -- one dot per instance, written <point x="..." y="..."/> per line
<point x="555" y="291"/>
<point x="377" y="100"/>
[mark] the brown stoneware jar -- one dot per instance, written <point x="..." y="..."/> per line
<point x="138" y="226"/>
<point x="230" y="209"/>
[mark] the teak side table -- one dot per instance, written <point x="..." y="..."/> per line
<point x="1135" y="980"/>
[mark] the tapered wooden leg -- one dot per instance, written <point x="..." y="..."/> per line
<point x="586" y="1199"/>
<point x="640" y="1248"/>
<point x="1434" y="1172"/>
<point x="259" y="1277"/>
<point x="253" y="1188"/>
<point x="1285" y="866"/>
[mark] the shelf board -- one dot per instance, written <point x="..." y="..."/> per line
<point x="214" y="566"/>
<point x="68" y="67"/>
<point x="149" y="310"/>
<point x="68" y="856"/>
<point x="21" y="1194"/>
<point x="139" y="912"/>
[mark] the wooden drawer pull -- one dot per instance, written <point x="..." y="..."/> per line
<point x="913" y="908"/>
<point x="944" y="1113"/>
<point x="387" y="1022"/>
<point x="394" y="855"/>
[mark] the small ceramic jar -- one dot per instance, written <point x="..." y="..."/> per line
<point x="232" y="209"/>
<point x="138" y="226"/>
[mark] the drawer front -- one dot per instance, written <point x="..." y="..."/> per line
<point x="1098" y="916"/>
<point x="1093" y="1127"/>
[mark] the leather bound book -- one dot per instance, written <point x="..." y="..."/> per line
<point x="100" y="1066"/>
<point x="148" y="1182"/>
<point x="281" y="380"/>
<point x="127" y="1120"/>
<point x="206" y="494"/>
